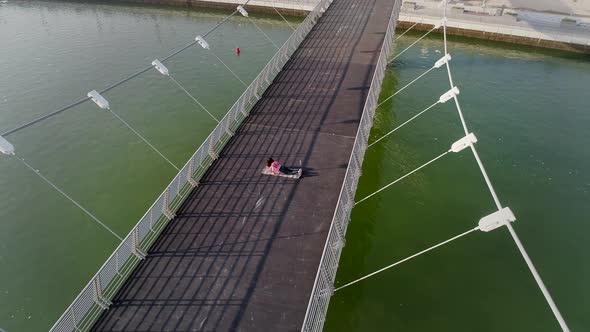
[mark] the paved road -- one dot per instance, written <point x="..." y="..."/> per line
<point x="243" y="251"/>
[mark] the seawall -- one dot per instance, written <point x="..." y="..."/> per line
<point x="481" y="30"/>
<point x="500" y="36"/>
<point x="285" y="7"/>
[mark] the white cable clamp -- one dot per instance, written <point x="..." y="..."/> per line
<point x="242" y="11"/>
<point x="463" y="143"/>
<point x="442" y="61"/>
<point x="98" y="99"/>
<point x="202" y="42"/>
<point x="448" y="95"/>
<point x="160" y="67"/>
<point x="5" y="147"/>
<point x="496" y="219"/>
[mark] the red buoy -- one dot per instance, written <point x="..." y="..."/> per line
<point x="237" y="50"/>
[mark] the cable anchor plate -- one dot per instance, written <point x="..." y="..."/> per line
<point x="202" y="42"/>
<point x="5" y="147"/>
<point x="497" y="219"/>
<point x="98" y="99"/>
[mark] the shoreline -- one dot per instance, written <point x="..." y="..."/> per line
<point x="530" y="27"/>
<point x="285" y="7"/>
<point x="420" y="18"/>
<point x="499" y="37"/>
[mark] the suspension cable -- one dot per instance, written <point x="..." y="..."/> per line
<point x="515" y="237"/>
<point x="143" y="138"/>
<point x="300" y="5"/>
<point x="264" y="33"/>
<point x="231" y="71"/>
<point x="403" y="177"/>
<point x="405" y="86"/>
<point x="407" y="258"/>
<point x="193" y="98"/>
<point x="403" y="33"/>
<point x="414" y="43"/>
<point x="403" y="124"/>
<point x="68" y="197"/>
<point x="281" y="15"/>
<point x="116" y="84"/>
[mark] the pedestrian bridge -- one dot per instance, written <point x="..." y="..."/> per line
<point x="227" y="248"/>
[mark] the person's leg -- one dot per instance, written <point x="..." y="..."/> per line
<point x="288" y="171"/>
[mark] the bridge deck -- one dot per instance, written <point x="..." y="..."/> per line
<point x="243" y="251"/>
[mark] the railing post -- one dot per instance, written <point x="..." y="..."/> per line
<point x="165" y="206"/>
<point x="117" y="264"/>
<point x="211" y="149"/>
<point x="135" y="245"/>
<point x="328" y="289"/>
<point x="76" y="328"/>
<point x="340" y="235"/>
<point x="74" y="320"/>
<point x="243" y="106"/>
<point x="99" y="298"/>
<point x="349" y="195"/>
<point x="151" y="219"/>
<point x="228" y="130"/>
<point x="256" y="87"/>
<point x="189" y="175"/>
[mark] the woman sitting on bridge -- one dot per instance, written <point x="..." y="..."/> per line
<point x="277" y="169"/>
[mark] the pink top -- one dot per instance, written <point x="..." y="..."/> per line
<point x="275" y="167"/>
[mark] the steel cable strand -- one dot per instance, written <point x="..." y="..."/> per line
<point x="403" y="33"/>
<point x="193" y="98"/>
<point x="68" y="197"/>
<point x="281" y="15"/>
<point x="402" y="177"/>
<point x="405" y="86"/>
<point x="403" y="124"/>
<point x="408" y="258"/>
<point x="264" y="33"/>
<point x="144" y="140"/>
<point x="414" y="43"/>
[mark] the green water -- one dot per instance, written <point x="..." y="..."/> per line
<point x="530" y="112"/>
<point x="53" y="53"/>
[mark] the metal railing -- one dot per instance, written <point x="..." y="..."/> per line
<point x="96" y="296"/>
<point x="323" y="287"/>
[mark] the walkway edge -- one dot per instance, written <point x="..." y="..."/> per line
<point x="323" y="287"/>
